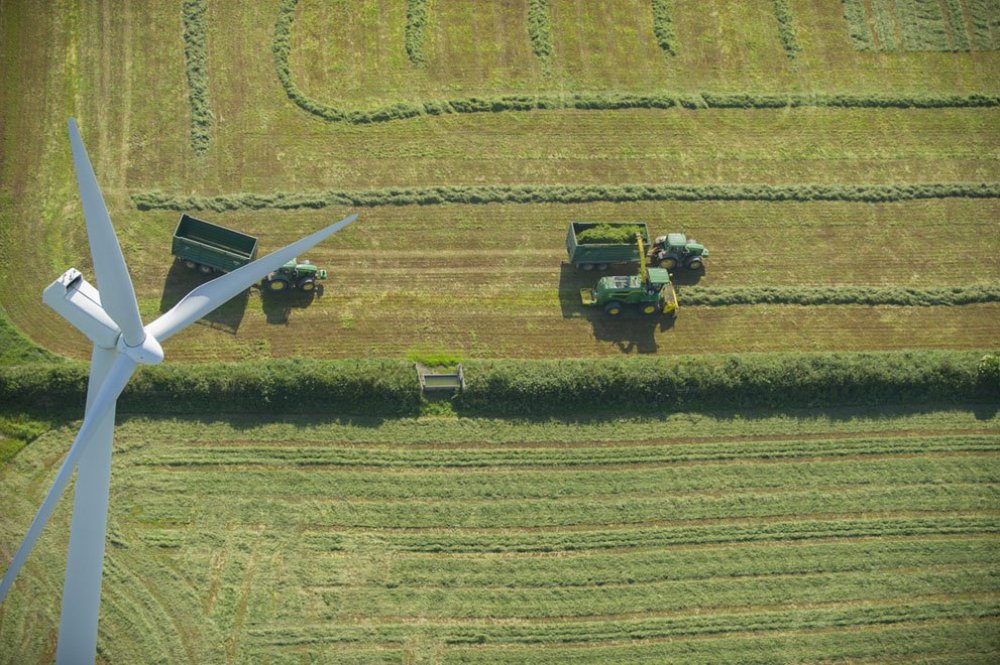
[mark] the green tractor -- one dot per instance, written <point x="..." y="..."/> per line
<point x="651" y="290"/>
<point x="675" y="249"/>
<point x="294" y="275"/>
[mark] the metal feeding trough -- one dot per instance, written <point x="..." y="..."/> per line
<point x="431" y="381"/>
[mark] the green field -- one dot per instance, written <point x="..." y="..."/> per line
<point x="841" y="160"/>
<point x="792" y="536"/>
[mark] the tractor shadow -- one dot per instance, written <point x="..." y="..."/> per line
<point x="181" y="280"/>
<point x="278" y="306"/>
<point x="631" y="332"/>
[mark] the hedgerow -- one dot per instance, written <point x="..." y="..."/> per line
<point x="514" y="387"/>
<point x="416" y="31"/>
<point x="195" y="55"/>
<point x="280" y="386"/>
<point x="281" y="48"/>
<point x="786" y="28"/>
<point x="540" y="29"/>
<point x="483" y="194"/>
<point x="841" y="295"/>
<point x="663" y="26"/>
<point x="521" y="387"/>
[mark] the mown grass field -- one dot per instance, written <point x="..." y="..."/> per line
<point x="792" y="537"/>
<point x="490" y="280"/>
<point x="835" y="535"/>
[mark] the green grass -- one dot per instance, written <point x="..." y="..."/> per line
<point x="245" y="539"/>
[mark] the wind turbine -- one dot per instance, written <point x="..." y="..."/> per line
<point x="110" y="319"/>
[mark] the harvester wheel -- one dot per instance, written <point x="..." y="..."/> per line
<point x="669" y="263"/>
<point x="587" y="266"/>
<point x="277" y="285"/>
<point x="695" y="264"/>
<point x="190" y="264"/>
<point x="613" y="308"/>
<point x="602" y="266"/>
<point x="205" y="270"/>
<point x="650" y="308"/>
<point x="307" y="284"/>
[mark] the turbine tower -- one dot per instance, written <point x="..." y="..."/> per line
<point x="110" y="319"/>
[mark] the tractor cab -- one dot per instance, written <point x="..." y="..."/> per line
<point x="676" y="249"/>
<point x="295" y="275"/>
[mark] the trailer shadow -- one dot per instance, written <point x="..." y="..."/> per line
<point x="631" y="332"/>
<point x="181" y="280"/>
<point x="278" y="307"/>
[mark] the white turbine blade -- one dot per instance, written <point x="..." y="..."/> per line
<point x="119" y="374"/>
<point x="210" y="295"/>
<point x="113" y="281"/>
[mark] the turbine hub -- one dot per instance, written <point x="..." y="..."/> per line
<point x="148" y="352"/>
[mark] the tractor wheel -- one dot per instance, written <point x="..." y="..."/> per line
<point x="277" y="285"/>
<point x="669" y="263"/>
<point x="613" y="308"/>
<point x="191" y="265"/>
<point x="307" y="284"/>
<point x="602" y="266"/>
<point x="205" y="270"/>
<point x="695" y="264"/>
<point x="650" y="308"/>
<point x="587" y="266"/>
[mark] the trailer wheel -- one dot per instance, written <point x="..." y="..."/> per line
<point x="695" y="264"/>
<point x="650" y="308"/>
<point x="191" y="265"/>
<point x="669" y="263"/>
<point x="613" y="308"/>
<point x="307" y="284"/>
<point x="205" y="270"/>
<point x="277" y="285"/>
<point x="587" y="266"/>
<point x="602" y="266"/>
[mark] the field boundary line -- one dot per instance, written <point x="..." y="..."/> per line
<point x="282" y="46"/>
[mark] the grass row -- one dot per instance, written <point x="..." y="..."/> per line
<point x="923" y="25"/>
<point x="704" y="595"/>
<point x="533" y="515"/>
<point x="416" y="31"/>
<point x="582" y="455"/>
<point x="640" y="566"/>
<point x="540" y="30"/>
<point x="807" y="527"/>
<point x="663" y="26"/>
<point x="756" y="620"/>
<point x="195" y="55"/>
<point x="969" y="641"/>
<point x="505" y="485"/>
<point x="840" y="295"/>
<point x="786" y="28"/>
<point x="536" y="194"/>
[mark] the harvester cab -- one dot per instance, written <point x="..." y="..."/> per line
<point x="651" y="290"/>
<point x="676" y="249"/>
<point x="295" y="275"/>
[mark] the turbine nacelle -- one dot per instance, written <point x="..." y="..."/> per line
<point x="78" y="302"/>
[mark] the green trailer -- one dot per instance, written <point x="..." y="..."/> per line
<point x="590" y="255"/>
<point x="210" y="248"/>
